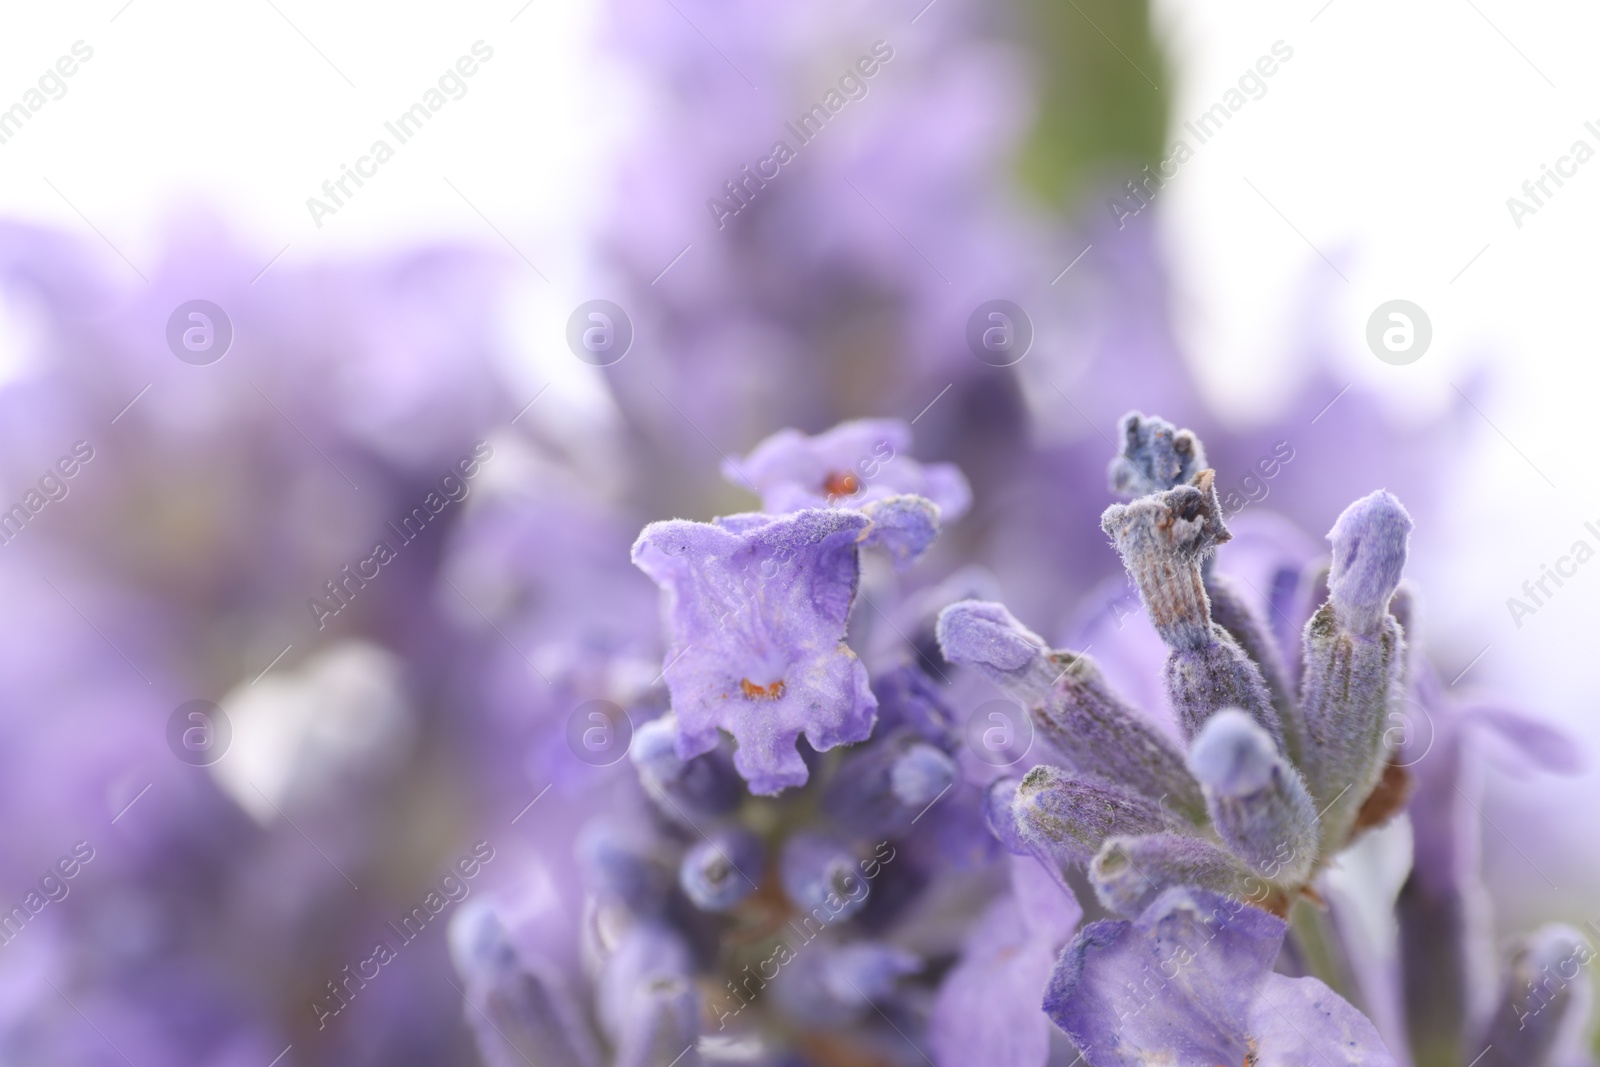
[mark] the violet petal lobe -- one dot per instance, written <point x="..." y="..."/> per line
<point x="987" y="1010"/>
<point x="904" y="526"/>
<point x="852" y="464"/>
<point x="1299" y="1022"/>
<point x="1174" y="986"/>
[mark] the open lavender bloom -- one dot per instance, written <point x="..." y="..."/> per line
<point x="757" y="608"/>
<point x="850" y="465"/>
<point x="744" y="890"/>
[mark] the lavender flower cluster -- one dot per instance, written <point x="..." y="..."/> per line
<point x="780" y="846"/>
<point x="286" y="650"/>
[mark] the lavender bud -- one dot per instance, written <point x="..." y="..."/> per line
<point x="1155" y="455"/>
<point x="684" y="790"/>
<point x="903" y="526"/>
<point x="1231" y="611"/>
<point x="819" y="874"/>
<point x="722" y="869"/>
<point x="1201" y="682"/>
<point x="984" y="635"/>
<point x="1354" y="654"/>
<point x="920" y="776"/>
<point x="1163" y="539"/>
<point x="1066" y="817"/>
<point x="663" y="1027"/>
<point x="1257" y="801"/>
<point x="1129" y="873"/>
<point x="1089" y="725"/>
<point x="1369" y="552"/>
<point x="882" y="786"/>
<point x="836" y="985"/>
<point x="1546" y="982"/>
<point x="622" y="865"/>
<point x="516" y="1008"/>
<point x="648" y="955"/>
<point x="999" y="814"/>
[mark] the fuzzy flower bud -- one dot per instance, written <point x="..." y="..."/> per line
<point x="1156" y="455"/>
<point x="721" y="870"/>
<point x="516" y="1007"/>
<point x="1163" y="539"/>
<point x="819" y="874"/>
<point x="1354" y="654"/>
<point x="1130" y="872"/>
<point x="1369" y="552"/>
<point x="1257" y="801"/>
<point x="1067" y="817"/>
<point x="1548" y="982"/>
<point x="663" y="1028"/>
<point x="1092" y="728"/>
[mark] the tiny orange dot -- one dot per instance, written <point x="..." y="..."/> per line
<point x="752" y="691"/>
<point x="841" y="483"/>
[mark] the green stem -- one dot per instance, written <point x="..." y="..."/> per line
<point x="1319" y="947"/>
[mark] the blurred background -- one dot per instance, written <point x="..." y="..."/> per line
<point x="415" y="323"/>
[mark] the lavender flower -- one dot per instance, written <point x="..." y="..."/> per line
<point x="758" y="607"/>
<point x="1190" y="982"/>
<point x="852" y="464"/>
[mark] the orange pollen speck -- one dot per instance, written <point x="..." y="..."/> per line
<point x="841" y="483"/>
<point x="752" y="691"/>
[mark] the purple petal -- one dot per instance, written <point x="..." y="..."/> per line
<point x="1299" y="1022"/>
<point x="853" y="464"/>
<point x="987" y="1011"/>
<point x="903" y="526"/>
<point x="757" y="608"/>
<point x="1174" y="986"/>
